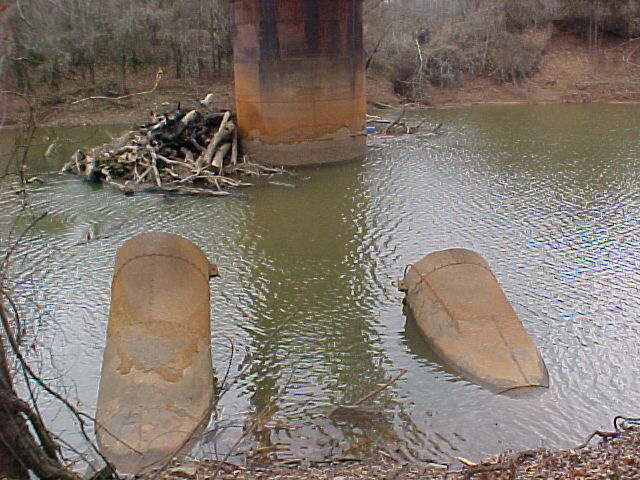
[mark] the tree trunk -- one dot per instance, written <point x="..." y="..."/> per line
<point x="23" y="451"/>
<point x="23" y="82"/>
<point x="212" y="46"/>
<point x="10" y="466"/>
<point x="92" y="70"/>
<point x="123" y="70"/>
<point x="177" y="56"/>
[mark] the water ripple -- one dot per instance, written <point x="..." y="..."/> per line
<point x="306" y="312"/>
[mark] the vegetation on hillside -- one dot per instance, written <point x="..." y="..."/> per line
<point x="54" y="40"/>
<point x="93" y="45"/>
<point x="420" y="43"/>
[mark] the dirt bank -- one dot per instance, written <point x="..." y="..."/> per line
<point x="74" y="105"/>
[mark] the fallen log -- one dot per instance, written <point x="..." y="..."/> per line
<point x="398" y="126"/>
<point x="394" y="123"/>
<point x="213" y="144"/>
<point x="219" y="156"/>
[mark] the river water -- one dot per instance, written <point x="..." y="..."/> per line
<point x="307" y="314"/>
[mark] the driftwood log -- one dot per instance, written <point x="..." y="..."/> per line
<point x="193" y="152"/>
<point x="400" y="126"/>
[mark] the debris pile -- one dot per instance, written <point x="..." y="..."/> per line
<point x="193" y="152"/>
<point x="615" y="456"/>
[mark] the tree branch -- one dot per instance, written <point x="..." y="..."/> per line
<point x="153" y="89"/>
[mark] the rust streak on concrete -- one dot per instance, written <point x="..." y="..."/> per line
<point x="299" y="80"/>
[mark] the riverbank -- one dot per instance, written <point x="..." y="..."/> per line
<point x="569" y="71"/>
<point x="614" y="455"/>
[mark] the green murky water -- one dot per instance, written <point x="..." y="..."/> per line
<point x="549" y="195"/>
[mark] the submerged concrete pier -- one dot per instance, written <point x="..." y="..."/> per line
<point x="299" y="80"/>
<point x="156" y="386"/>
<point x="465" y="317"/>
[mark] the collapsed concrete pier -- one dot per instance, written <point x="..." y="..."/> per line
<point x="299" y="80"/>
<point x="463" y="314"/>
<point x="156" y="386"/>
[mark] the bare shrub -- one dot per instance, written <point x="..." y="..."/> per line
<point x="526" y="15"/>
<point x="445" y="63"/>
<point x="514" y="56"/>
<point x="440" y="43"/>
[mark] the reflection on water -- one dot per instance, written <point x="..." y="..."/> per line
<point x="307" y="312"/>
<point x="48" y="146"/>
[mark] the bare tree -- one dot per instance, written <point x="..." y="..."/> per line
<point x="25" y="443"/>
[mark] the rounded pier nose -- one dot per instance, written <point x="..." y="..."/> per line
<point x="528" y="391"/>
<point x="299" y="80"/>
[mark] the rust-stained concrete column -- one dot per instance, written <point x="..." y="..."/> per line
<point x="157" y="381"/>
<point x="299" y="80"/>
<point x="464" y="315"/>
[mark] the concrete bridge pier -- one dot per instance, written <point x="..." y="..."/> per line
<point x="299" y="80"/>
